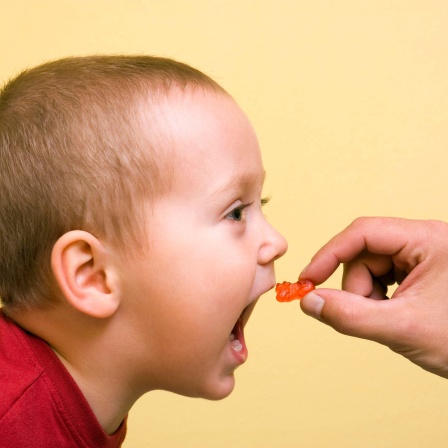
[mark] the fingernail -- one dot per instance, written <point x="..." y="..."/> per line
<point x="312" y="305"/>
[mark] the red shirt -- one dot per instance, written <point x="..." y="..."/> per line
<point x="41" y="406"/>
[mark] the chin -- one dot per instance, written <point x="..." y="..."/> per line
<point x="218" y="389"/>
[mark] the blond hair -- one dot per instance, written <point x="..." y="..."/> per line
<point x="74" y="156"/>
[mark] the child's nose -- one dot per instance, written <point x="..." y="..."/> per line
<point x="273" y="247"/>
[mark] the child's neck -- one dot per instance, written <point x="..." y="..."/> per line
<point x="109" y="410"/>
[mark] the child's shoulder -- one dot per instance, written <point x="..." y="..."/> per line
<point x="40" y="403"/>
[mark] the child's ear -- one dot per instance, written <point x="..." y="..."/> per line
<point x="81" y="269"/>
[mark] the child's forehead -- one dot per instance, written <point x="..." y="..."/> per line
<point x="186" y="103"/>
<point x="187" y="112"/>
<point x="206" y="141"/>
<point x="193" y="120"/>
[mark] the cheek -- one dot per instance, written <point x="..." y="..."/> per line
<point x="228" y="277"/>
<point x="219" y="259"/>
<point x="209" y="273"/>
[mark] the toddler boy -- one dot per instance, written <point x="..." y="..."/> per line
<point x="133" y="247"/>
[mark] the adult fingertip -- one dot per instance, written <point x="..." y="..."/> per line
<point x="312" y="305"/>
<point x="302" y="274"/>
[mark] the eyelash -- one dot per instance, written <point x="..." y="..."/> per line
<point x="240" y="209"/>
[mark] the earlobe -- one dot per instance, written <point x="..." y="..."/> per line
<point x="81" y="269"/>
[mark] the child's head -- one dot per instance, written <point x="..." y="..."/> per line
<point x="211" y="251"/>
<point x="138" y="153"/>
<point x="78" y="151"/>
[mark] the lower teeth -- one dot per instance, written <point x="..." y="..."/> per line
<point x="235" y="343"/>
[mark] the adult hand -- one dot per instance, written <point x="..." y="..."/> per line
<point x="378" y="252"/>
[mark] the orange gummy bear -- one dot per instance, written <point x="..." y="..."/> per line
<point x="289" y="291"/>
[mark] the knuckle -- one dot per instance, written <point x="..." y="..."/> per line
<point x="361" y="221"/>
<point x="346" y="320"/>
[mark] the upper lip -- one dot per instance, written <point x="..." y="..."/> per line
<point x="264" y="290"/>
<point x="247" y="311"/>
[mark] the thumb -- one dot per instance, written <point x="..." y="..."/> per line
<point x="353" y="315"/>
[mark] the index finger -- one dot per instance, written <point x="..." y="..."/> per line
<point x="382" y="236"/>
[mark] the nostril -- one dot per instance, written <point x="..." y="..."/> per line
<point x="278" y="256"/>
<point x="273" y="248"/>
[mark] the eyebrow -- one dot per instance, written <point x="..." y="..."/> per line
<point x="241" y="181"/>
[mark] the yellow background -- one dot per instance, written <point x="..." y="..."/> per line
<point x="350" y="102"/>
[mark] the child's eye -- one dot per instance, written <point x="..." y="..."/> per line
<point x="238" y="213"/>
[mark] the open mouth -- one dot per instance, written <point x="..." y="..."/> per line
<point x="236" y="337"/>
